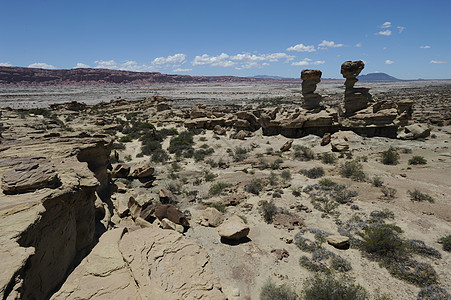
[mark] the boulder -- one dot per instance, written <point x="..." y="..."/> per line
<point x="338" y="241"/>
<point x="171" y="213"/>
<point x="340" y="140"/>
<point x="167" y="197"/>
<point x="326" y="139"/>
<point x="233" y="228"/>
<point x="211" y="217"/>
<point x="241" y="135"/>
<point x="414" y="131"/>
<point x="286" y="146"/>
<point x="142" y="169"/>
<point x="30" y="175"/>
<point x="147" y="263"/>
<point x="120" y="171"/>
<point x="219" y="130"/>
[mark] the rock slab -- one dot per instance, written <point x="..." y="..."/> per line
<point x="233" y="228"/>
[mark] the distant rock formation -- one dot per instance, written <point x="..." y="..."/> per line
<point x="355" y="98"/>
<point x="310" y="78"/>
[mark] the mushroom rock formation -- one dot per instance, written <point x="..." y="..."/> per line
<point x="310" y="78"/>
<point x="355" y="98"/>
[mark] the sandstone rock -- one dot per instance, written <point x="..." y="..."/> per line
<point x="289" y="222"/>
<point x="120" y="171"/>
<point x="326" y="139"/>
<point x="121" y="204"/>
<point x="340" y="140"/>
<point x="310" y="78"/>
<point x="167" y="224"/>
<point x="355" y="98"/>
<point x="338" y="241"/>
<point x="219" y="130"/>
<point x="31" y="174"/>
<point x="167" y="197"/>
<point x="241" y="135"/>
<point x="211" y="217"/>
<point x="233" y="228"/>
<point x="171" y="213"/>
<point x="142" y="169"/>
<point x="147" y="263"/>
<point x="161" y="106"/>
<point x="286" y="146"/>
<point x="280" y="253"/>
<point x="414" y="131"/>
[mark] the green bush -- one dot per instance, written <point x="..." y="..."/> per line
<point x="326" y="182"/>
<point x="390" y="157"/>
<point x="286" y="175"/>
<point x="417" y="160"/>
<point x="328" y="158"/>
<point x="384" y="241"/>
<point x="313" y="173"/>
<point x="270" y="291"/>
<point x="416" y="195"/>
<point x="239" y="154"/>
<point x="418" y="273"/>
<point x="433" y="292"/>
<point x="352" y="169"/>
<point x="325" y="286"/>
<point x="446" y="242"/>
<point x="388" y="192"/>
<point x="273" y="179"/>
<point x="218" y="205"/>
<point x="217" y="188"/>
<point x="209" y="176"/>
<point x="182" y="142"/>
<point x="159" y="155"/>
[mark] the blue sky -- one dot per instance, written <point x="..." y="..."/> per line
<point x="406" y="39"/>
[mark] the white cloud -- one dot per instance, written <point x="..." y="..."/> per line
<point x="180" y="70"/>
<point x="106" y="64"/>
<point x="222" y="60"/>
<point x="358" y="45"/>
<point x="302" y="48"/>
<point x="329" y="44"/>
<point x="401" y="28"/>
<point x="174" y="59"/>
<point x="389" y="62"/>
<point x="438" y="62"/>
<point x="41" y="66"/>
<point x="386" y="25"/>
<point x="384" y="32"/>
<point x="81" y="65"/>
<point x="385" y="48"/>
<point x="5" y="64"/>
<point x="425" y="47"/>
<point x="308" y="61"/>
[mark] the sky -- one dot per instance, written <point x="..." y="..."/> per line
<point x="408" y="39"/>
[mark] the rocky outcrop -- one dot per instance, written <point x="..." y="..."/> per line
<point x="414" y="131"/>
<point x="355" y="98"/>
<point x="147" y="263"/>
<point x="142" y="169"/>
<point x="310" y="78"/>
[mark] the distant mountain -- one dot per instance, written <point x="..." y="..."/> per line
<point x="81" y="76"/>
<point x="377" y="77"/>
<point x="273" y="77"/>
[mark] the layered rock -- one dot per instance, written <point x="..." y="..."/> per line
<point x="355" y="98"/>
<point x="148" y="263"/>
<point x="310" y="78"/>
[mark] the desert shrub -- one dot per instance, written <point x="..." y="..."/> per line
<point x="296" y="192"/>
<point x="209" y="176"/>
<point x="268" y="211"/>
<point x="380" y="215"/>
<point x="416" y="195"/>
<point x="313" y="173"/>
<point x="328" y="158"/>
<point x="433" y="292"/>
<point x="217" y="188"/>
<point x="202" y="139"/>
<point x="324" y="260"/>
<point x="419" y="247"/>
<point x="269" y="150"/>
<point x="159" y="156"/>
<point x="325" y="286"/>
<point x="273" y="178"/>
<point x="446" y="242"/>
<point x="390" y="157"/>
<point x="200" y="154"/>
<point x="303" y="153"/>
<point x="388" y="192"/>
<point x="211" y="162"/>
<point x="377" y="181"/>
<point x="383" y="241"/>
<point x="270" y="291"/>
<point x="150" y="146"/>
<point x="276" y="195"/>
<point x="276" y="164"/>
<point x="181" y="142"/>
<point x="218" y="205"/>
<point x="125" y="139"/>
<point x="305" y="244"/>
<point x="118" y="146"/>
<point x="406" y="150"/>
<point x="326" y="182"/>
<point x="286" y="175"/>
<point x="175" y="188"/>
<point x="418" y="273"/>
<point x="417" y="160"/>
<point x="254" y="187"/>
<point x="239" y="154"/>
<point x="344" y="196"/>
<point x="352" y="169"/>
